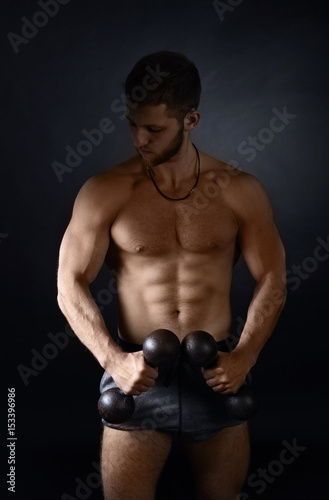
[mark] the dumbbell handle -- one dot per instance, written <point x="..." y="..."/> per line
<point x="115" y="406"/>
<point x="159" y="348"/>
<point x="200" y="349"/>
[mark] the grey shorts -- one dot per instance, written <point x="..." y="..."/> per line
<point x="186" y="407"/>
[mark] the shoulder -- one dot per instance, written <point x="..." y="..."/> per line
<point x="219" y="171"/>
<point x="103" y="194"/>
<point x="241" y="190"/>
<point x="114" y="183"/>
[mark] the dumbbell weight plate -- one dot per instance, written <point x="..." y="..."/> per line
<point x="243" y="405"/>
<point x="115" y="407"/>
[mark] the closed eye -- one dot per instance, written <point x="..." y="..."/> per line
<point x="150" y="129"/>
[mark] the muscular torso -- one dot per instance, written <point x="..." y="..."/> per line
<point x="173" y="260"/>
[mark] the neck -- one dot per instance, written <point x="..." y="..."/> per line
<point x="177" y="171"/>
<point x="179" y="198"/>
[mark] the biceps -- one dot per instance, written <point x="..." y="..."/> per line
<point x="83" y="252"/>
<point x="262" y="250"/>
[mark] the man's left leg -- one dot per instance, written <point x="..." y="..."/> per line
<point x="221" y="463"/>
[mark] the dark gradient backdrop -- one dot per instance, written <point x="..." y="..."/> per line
<point x="258" y="60"/>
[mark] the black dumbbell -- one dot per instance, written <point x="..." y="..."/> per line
<point x="160" y="348"/>
<point x="200" y="349"/>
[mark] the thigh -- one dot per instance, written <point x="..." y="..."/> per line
<point x="221" y="463"/>
<point x="132" y="462"/>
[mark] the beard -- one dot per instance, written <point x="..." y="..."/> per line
<point x="168" y="153"/>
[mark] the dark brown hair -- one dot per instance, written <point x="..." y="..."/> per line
<point x="172" y="79"/>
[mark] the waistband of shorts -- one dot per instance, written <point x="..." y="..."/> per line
<point x="129" y="346"/>
<point x="226" y="345"/>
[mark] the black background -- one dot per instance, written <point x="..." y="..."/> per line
<point x="262" y="55"/>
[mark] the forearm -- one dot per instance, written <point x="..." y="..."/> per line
<point x="263" y="313"/>
<point x="85" y="319"/>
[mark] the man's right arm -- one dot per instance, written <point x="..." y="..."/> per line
<point x="82" y="254"/>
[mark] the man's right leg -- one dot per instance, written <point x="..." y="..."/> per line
<point x="132" y="462"/>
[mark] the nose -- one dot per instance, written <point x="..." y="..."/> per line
<point x="141" y="138"/>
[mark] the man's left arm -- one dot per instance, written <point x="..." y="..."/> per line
<point x="264" y="255"/>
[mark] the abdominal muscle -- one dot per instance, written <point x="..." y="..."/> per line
<point x="182" y="294"/>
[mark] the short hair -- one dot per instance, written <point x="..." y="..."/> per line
<point x="172" y="79"/>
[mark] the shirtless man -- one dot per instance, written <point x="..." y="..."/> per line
<point x="173" y="249"/>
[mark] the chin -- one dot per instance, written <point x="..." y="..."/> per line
<point x="150" y="162"/>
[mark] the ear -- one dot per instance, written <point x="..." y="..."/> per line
<point x="191" y="119"/>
